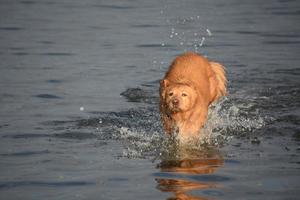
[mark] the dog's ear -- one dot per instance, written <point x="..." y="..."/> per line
<point x="164" y="83"/>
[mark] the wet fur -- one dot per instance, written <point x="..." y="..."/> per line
<point x="204" y="80"/>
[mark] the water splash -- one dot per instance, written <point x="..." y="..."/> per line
<point x="182" y="35"/>
<point x="140" y="130"/>
<point x="190" y="40"/>
<point x="226" y="120"/>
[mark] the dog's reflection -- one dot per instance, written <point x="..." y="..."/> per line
<point x="203" y="163"/>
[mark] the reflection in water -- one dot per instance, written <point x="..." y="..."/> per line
<point x="190" y="165"/>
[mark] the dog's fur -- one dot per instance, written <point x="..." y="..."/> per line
<point x="190" y="85"/>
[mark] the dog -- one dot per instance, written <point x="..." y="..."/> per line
<point x="188" y="88"/>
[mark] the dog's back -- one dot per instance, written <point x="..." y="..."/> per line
<point x="188" y="67"/>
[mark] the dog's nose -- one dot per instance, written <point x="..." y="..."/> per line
<point x="175" y="102"/>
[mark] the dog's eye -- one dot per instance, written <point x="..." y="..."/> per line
<point x="171" y="94"/>
<point x="184" y="94"/>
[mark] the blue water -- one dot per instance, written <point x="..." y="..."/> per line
<point x="79" y="99"/>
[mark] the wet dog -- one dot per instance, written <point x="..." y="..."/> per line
<point x="190" y="85"/>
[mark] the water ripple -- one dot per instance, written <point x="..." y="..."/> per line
<point x="15" y="184"/>
<point x="11" y="28"/>
<point x="48" y="96"/>
<point x="56" y="54"/>
<point x="25" y="153"/>
<point x="25" y="136"/>
<point x="210" y="178"/>
<point x="116" y="7"/>
<point x="154" y="45"/>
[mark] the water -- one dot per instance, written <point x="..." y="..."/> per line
<point x="79" y="94"/>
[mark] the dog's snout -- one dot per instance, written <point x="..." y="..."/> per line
<point x="175" y="102"/>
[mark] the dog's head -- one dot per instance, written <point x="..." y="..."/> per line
<point x="178" y="97"/>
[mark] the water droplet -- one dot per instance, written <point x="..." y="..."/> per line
<point x="208" y="32"/>
<point x="202" y="41"/>
<point x="255" y="140"/>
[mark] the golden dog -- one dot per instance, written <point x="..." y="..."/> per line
<point x="190" y="85"/>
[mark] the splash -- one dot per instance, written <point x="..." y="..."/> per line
<point x="229" y="118"/>
<point x="140" y="132"/>
<point x="140" y="144"/>
<point x="189" y="40"/>
<point x="184" y="37"/>
<point x="226" y="120"/>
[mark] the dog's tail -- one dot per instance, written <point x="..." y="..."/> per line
<point x="220" y="81"/>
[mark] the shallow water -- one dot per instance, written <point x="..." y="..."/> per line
<point x="79" y="95"/>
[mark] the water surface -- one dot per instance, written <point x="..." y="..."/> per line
<point x="79" y="94"/>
